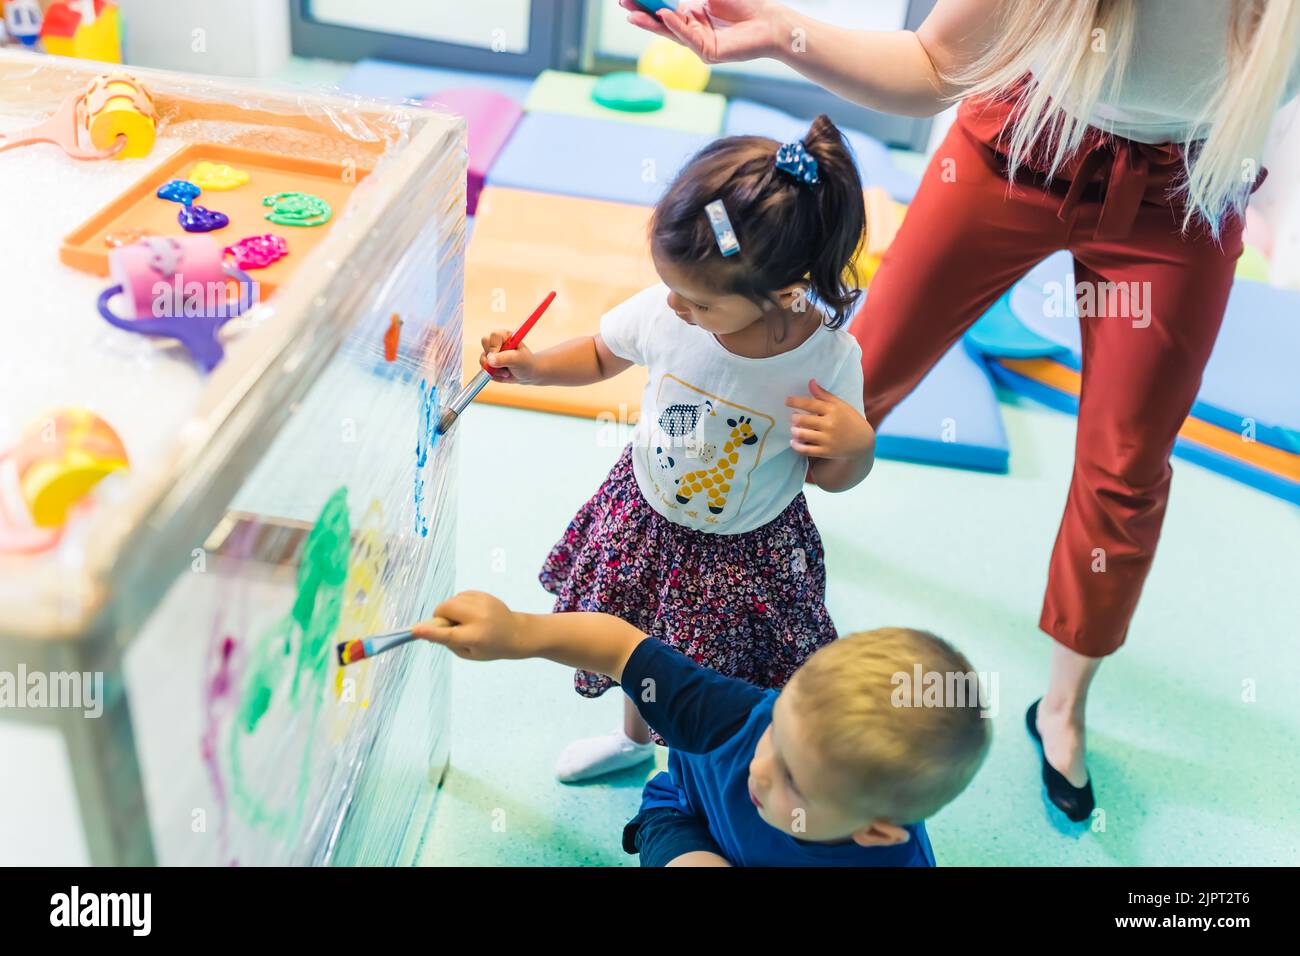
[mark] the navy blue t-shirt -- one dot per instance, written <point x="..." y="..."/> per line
<point x="712" y="724"/>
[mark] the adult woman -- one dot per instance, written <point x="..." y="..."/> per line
<point x="1126" y="132"/>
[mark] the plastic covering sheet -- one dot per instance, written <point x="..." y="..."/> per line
<point x="294" y="498"/>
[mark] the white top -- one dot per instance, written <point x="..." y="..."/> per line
<point x="711" y="449"/>
<point x="1177" y="64"/>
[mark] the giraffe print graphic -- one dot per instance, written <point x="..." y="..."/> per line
<point x="716" y="481"/>
<point x="701" y="451"/>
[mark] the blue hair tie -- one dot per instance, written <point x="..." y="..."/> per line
<point x="794" y="160"/>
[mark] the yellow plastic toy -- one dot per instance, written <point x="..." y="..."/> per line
<point x="676" y="67"/>
<point x="61" y="458"/>
<point x="87" y="29"/>
<point x="117" y="105"/>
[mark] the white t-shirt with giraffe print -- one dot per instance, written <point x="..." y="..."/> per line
<point x="711" y="449"/>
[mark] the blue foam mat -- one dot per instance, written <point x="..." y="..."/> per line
<point x="1229" y="467"/>
<point x="1252" y="371"/>
<point x="999" y="334"/>
<point x="745" y="117"/>
<point x="957" y="400"/>
<point x="403" y="81"/>
<point x="592" y="158"/>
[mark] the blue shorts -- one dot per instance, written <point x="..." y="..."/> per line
<point x="661" y="834"/>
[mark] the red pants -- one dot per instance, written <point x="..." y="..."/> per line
<point x="968" y="236"/>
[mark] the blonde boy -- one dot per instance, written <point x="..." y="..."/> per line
<point x="837" y="769"/>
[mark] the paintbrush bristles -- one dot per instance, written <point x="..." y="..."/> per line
<point x="360" y="650"/>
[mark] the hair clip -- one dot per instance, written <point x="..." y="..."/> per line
<point x="795" y="160"/>
<point x="725" y="235"/>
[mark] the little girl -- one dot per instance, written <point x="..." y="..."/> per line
<point x="700" y="535"/>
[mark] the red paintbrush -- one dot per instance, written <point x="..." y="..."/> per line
<point x="477" y="383"/>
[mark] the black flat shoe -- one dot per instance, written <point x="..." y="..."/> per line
<point x="1077" y="803"/>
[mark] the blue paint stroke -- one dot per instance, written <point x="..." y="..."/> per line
<point x="427" y="438"/>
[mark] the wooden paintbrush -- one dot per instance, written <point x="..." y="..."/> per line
<point x="359" y="650"/>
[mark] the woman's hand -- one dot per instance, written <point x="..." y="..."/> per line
<point x="893" y="71"/>
<point x="828" y="427"/>
<point x="518" y="366"/>
<point x="717" y="31"/>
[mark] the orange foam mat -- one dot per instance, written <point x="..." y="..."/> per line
<point x="138" y="209"/>
<point x="1274" y="460"/>
<point x="594" y="255"/>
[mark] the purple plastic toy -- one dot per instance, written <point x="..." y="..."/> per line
<point x="177" y="288"/>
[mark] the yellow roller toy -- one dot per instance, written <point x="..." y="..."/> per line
<point x="111" y="118"/>
<point x="61" y="458"/>
<point x="119" y="107"/>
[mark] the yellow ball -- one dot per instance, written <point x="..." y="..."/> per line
<point x="673" y="65"/>
<point x="1253" y="264"/>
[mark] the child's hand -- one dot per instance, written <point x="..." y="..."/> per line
<point x="517" y="365"/>
<point x="828" y="427"/>
<point x="482" y="628"/>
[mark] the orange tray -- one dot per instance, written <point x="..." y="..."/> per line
<point x="140" y="209"/>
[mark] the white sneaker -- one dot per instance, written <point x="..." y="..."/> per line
<point x="597" y="756"/>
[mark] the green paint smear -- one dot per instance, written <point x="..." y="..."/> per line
<point x="297" y="209"/>
<point x="264" y="673"/>
<point x="314" y="618"/>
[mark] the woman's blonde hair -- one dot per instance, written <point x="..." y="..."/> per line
<point x="1060" y="42"/>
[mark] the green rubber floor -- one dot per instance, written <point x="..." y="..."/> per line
<point x="1192" y="724"/>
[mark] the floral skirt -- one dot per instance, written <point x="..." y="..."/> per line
<point x="748" y="605"/>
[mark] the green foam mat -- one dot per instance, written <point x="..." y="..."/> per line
<point x="558" y="92"/>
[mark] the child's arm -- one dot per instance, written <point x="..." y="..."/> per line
<point x="693" y="708"/>
<point x="836" y="437"/>
<point x="579" y="361"/>
<point x="484" y="629"/>
<point x="841" y="474"/>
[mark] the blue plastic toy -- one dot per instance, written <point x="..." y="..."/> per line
<point x="22" y="19"/>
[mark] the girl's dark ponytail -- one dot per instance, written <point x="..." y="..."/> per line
<point x="790" y="231"/>
<point x="842" y="221"/>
